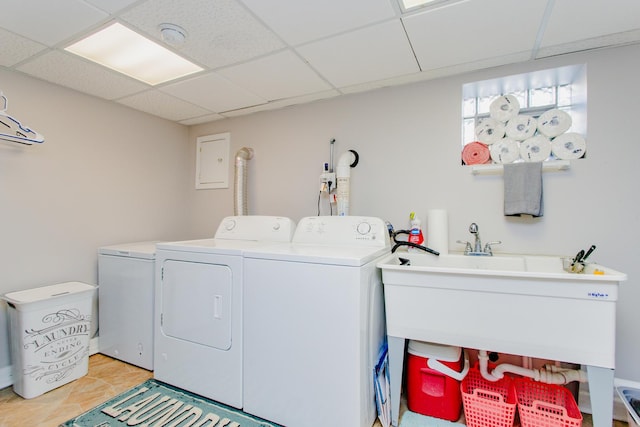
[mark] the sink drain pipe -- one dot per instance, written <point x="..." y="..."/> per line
<point x="549" y="374"/>
<point x="240" y="183"/>
<point x="347" y="160"/>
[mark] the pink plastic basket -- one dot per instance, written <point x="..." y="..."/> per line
<point x="546" y="405"/>
<point x="487" y="404"/>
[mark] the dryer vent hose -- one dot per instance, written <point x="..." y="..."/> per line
<point x="240" y="184"/>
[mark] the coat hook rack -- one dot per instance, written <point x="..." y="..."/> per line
<point x="12" y="130"/>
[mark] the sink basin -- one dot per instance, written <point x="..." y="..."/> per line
<point x="503" y="303"/>
<point x="540" y="266"/>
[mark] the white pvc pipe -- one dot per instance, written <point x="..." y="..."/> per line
<point x="343" y="178"/>
<point x="437" y="365"/>
<point x="240" y="184"/>
<point x="550" y="375"/>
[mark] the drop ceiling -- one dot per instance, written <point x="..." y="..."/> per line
<point x="267" y="54"/>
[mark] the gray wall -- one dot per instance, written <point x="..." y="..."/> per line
<point x="105" y="174"/>
<point x="408" y="140"/>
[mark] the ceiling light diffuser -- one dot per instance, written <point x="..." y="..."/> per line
<point x="123" y="50"/>
<point x="410" y="4"/>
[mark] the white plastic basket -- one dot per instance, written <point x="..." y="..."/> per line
<point x="50" y="330"/>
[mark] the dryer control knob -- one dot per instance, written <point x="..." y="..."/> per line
<point x="364" y="228"/>
<point x="230" y="225"/>
<point x="276" y="226"/>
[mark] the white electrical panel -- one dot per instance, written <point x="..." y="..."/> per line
<point x="212" y="161"/>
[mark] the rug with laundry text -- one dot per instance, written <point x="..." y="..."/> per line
<point x="155" y="404"/>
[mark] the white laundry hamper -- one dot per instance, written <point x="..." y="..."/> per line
<point x="50" y="329"/>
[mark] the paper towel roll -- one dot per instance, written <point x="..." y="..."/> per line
<point x="535" y="149"/>
<point x="438" y="230"/>
<point x="569" y="146"/>
<point x="504" y="108"/>
<point x="506" y="150"/>
<point x="521" y="127"/>
<point x="554" y="122"/>
<point x="489" y="130"/>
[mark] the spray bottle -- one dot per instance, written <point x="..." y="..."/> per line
<point x="415" y="235"/>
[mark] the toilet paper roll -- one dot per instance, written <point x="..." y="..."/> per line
<point x="504" y="108"/>
<point x="438" y="230"/>
<point x="535" y="149"/>
<point x="475" y="153"/>
<point x="569" y="146"/>
<point x="506" y="150"/>
<point x="521" y="127"/>
<point x="489" y="130"/>
<point x="554" y="122"/>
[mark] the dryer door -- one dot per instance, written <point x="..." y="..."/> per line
<point x="196" y="303"/>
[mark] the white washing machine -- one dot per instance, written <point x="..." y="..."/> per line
<point x="314" y="323"/>
<point x="125" y="279"/>
<point x="198" y="306"/>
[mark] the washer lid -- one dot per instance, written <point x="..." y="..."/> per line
<point x="333" y="254"/>
<point x="145" y="250"/>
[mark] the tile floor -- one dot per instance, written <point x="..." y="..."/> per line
<point x="107" y="377"/>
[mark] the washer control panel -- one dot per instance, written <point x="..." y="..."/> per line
<point x="348" y="230"/>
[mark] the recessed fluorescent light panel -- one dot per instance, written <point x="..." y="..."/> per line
<point x="409" y="5"/>
<point x="123" y="50"/>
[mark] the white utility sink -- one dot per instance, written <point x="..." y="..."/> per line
<point x="513" y="304"/>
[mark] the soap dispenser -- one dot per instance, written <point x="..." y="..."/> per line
<point x="415" y="234"/>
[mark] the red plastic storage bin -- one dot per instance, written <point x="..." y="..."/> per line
<point x="430" y="392"/>
<point x="486" y="403"/>
<point x="546" y="405"/>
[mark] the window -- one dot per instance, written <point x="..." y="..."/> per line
<point x="538" y="116"/>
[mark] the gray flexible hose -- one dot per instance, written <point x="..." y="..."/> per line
<point x="240" y="184"/>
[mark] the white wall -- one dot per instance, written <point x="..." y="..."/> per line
<point x="408" y="141"/>
<point x="106" y="174"/>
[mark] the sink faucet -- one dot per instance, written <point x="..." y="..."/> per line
<point x="476" y="249"/>
<point x="473" y="229"/>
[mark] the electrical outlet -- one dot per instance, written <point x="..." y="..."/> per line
<point x="327" y="181"/>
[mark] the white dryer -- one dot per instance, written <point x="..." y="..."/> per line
<point x="314" y="323"/>
<point x="198" y="311"/>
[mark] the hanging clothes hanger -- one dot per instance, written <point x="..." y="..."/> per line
<point x="12" y="130"/>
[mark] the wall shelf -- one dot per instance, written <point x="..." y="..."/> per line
<point x="496" y="169"/>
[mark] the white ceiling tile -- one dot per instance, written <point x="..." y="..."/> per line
<point x="617" y="39"/>
<point x="219" y="32"/>
<point x="111" y="6"/>
<point x="213" y="93"/>
<point x="163" y="105"/>
<point x="202" y="119"/>
<point x="48" y="22"/>
<point x="303" y="21"/>
<point x="281" y="75"/>
<point x="71" y="71"/>
<point x="473" y="30"/>
<point x="573" y="20"/>
<point x="372" y="53"/>
<point x="16" y="48"/>
<point x="281" y="103"/>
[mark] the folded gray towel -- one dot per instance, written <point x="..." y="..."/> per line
<point x="523" y="189"/>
